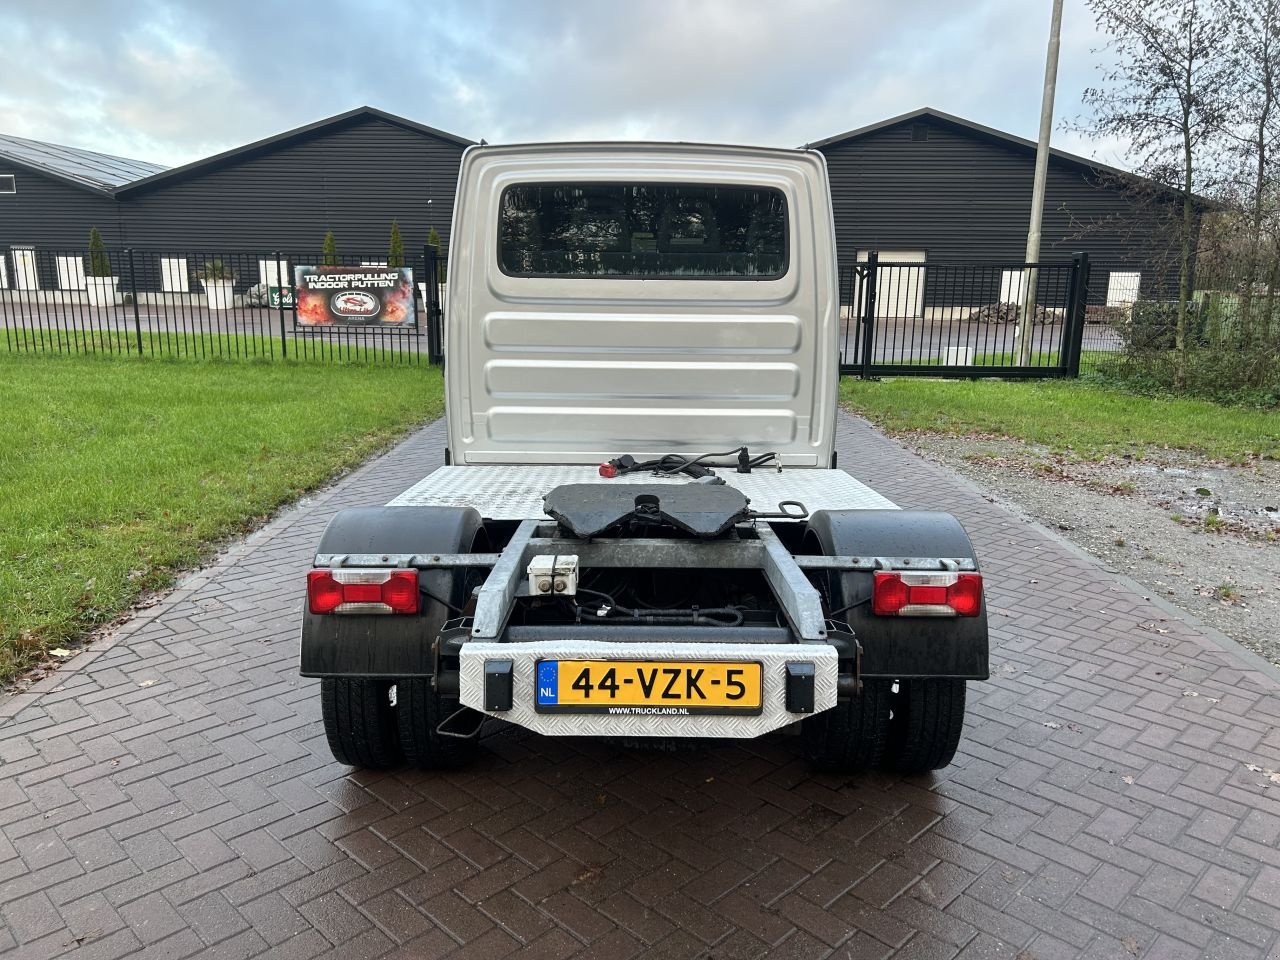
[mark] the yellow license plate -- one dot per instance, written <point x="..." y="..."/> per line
<point x="648" y="687"/>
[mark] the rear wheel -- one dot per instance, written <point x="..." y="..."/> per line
<point x="358" y="721"/>
<point x="927" y="713"/>
<point x="420" y="711"/>
<point x="852" y="735"/>
<point x="928" y="717"/>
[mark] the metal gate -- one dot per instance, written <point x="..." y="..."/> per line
<point x="962" y="319"/>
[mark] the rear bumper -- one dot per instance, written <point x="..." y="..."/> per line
<point x="774" y="659"/>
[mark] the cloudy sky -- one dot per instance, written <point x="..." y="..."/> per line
<point x="172" y="82"/>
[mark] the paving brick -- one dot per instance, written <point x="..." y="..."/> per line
<point x="333" y="917"/>
<point x="32" y="917"/>
<point x="203" y="816"/>
<point x="152" y="918"/>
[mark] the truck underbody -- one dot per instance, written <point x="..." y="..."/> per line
<point x="663" y="578"/>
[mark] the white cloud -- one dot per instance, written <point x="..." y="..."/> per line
<point x="171" y="83"/>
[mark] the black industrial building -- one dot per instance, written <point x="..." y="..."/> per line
<point x="929" y="187"/>
<point x="353" y="174"/>
<point x="922" y="187"/>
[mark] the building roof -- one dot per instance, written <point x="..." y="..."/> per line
<point x="283" y="139"/>
<point x="989" y="133"/>
<point x="84" y="168"/>
<point x="1020" y="143"/>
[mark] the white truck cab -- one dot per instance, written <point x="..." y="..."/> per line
<point x="640" y="531"/>
<point x="652" y="298"/>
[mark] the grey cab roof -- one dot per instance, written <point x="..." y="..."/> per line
<point x="85" y="168"/>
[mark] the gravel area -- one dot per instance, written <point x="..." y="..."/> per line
<point x="1204" y="535"/>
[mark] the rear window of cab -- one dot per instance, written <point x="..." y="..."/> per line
<point x="616" y="230"/>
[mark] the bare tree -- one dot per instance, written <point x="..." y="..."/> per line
<point x="1253" y="129"/>
<point x="1167" y="96"/>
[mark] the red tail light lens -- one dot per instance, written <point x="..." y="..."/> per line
<point x="608" y="470"/>
<point x="362" y="591"/>
<point x="965" y="595"/>
<point x="889" y="594"/>
<point x="400" y="592"/>
<point x="898" y="594"/>
<point x="324" y="594"/>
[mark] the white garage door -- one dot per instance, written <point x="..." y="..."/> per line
<point x="70" y="273"/>
<point x="899" y="284"/>
<point x="1123" y="287"/>
<point x="270" y="272"/>
<point x="24" y="269"/>
<point x="173" y="275"/>
<point x="1012" y="285"/>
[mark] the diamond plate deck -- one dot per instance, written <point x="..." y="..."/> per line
<point x="509" y="492"/>
<point x="773" y="657"/>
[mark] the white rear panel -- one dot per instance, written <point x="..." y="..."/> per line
<point x="581" y="369"/>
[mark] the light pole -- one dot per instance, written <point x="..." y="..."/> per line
<point x="1025" y="333"/>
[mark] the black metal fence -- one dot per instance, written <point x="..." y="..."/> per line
<point x="1222" y="341"/>
<point x="897" y="319"/>
<point x="962" y="319"/>
<point x="229" y="304"/>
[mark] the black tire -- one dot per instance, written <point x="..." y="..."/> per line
<point x="359" y="723"/>
<point x="853" y="734"/>
<point x="928" y="718"/>
<point x="419" y="712"/>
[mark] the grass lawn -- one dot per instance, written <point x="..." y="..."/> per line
<point x="118" y="472"/>
<point x="1087" y="418"/>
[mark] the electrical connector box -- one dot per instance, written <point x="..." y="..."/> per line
<point x="553" y="575"/>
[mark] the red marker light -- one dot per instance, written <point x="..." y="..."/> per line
<point x="608" y="471"/>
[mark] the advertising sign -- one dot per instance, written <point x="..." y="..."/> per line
<point x="274" y="294"/>
<point x="355" y="296"/>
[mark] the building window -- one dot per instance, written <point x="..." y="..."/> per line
<point x="8" y="183"/>
<point x="919" y="132"/>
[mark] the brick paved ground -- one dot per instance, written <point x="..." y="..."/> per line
<point x="171" y="795"/>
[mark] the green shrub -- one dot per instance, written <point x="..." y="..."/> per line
<point x="1153" y="325"/>
<point x="329" y="250"/>
<point x="433" y="241"/>
<point x="99" y="262"/>
<point x="1216" y="372"/>
<point x="395" y="247"/>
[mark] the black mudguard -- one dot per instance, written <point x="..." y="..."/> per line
<point x="334" y="645"/>
<point x="899" y="647"/>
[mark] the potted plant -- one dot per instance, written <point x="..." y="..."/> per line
<point x="100" y="284"/>
<point x="219" y="281"/>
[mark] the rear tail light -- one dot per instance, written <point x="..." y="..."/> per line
<point x="362" y="591"/>
<point x="897" y="594"/>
